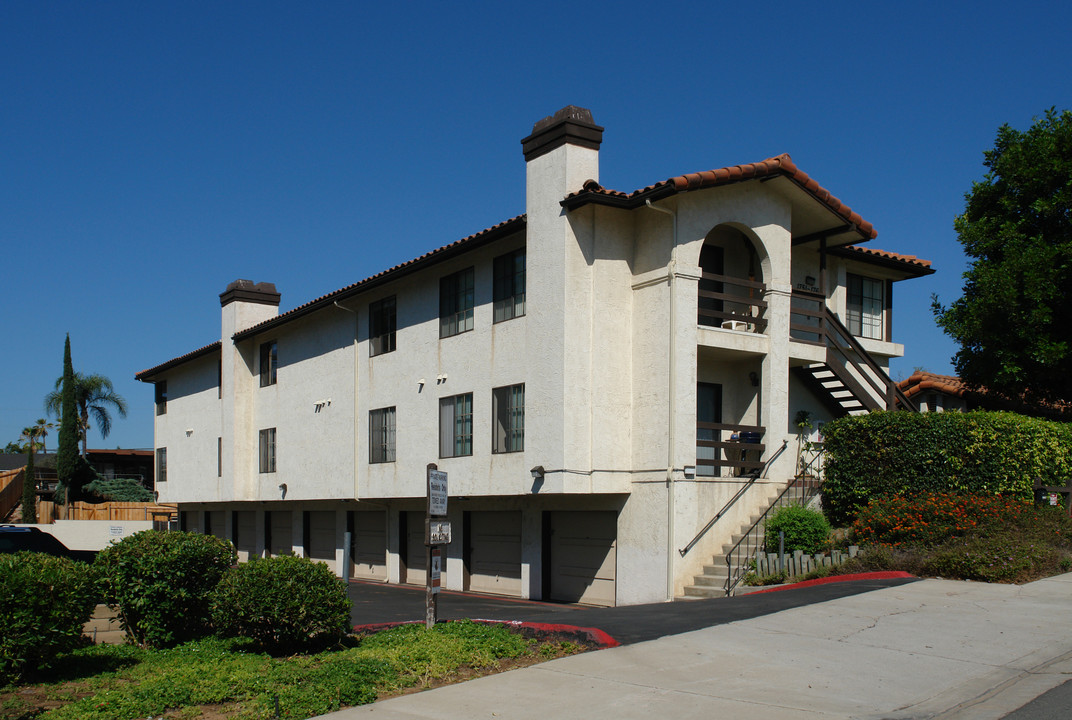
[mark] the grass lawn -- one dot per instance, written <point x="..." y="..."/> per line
<point x="216" y="678"/>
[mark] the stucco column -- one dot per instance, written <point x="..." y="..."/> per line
<point x="774" y="410"/>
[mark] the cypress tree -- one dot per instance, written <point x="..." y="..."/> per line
<point x="29" y="488"/>
<point x="67" y="454"/>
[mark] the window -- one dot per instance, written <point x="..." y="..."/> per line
<point x="219" y="457"/>
<point x="161" y="397"/>
<point x="864" y="306"/>
<point x="269" y="363"/>
<point x="456" y="300"/>
<point x="508" y="408"/>
<point x="456" y="425"/>
<point x="382" y="435"/>
<point x="267" y="450"/>
<point x="382" y="326"/>
<point x="161" y="465"/>
<point x="509" y="291"/>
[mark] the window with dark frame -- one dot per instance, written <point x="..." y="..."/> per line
<point x="457" y="298"/>
<point x="269" y="363"/>
<point x="382" y="435"/>
<point x="219" y="457"/>
<point x="160" y="389"/>
<point x="161" y="465"/>
<point x="509" y="286"/>
<point x="456" y="425"/>
<point x="267" y="450"/>
<point x="382" y="326"/>
<point x="864" y="306"/>
<point x="508" y="409"/>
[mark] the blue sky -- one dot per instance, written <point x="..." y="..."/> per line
<point x="150" y="153"/>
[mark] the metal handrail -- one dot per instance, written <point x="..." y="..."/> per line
<point x="752" y="477"/>
<point x="734" y="573"/>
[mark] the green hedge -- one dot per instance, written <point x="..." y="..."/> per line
<point x="286" y="603"/>
<point x="969" y="453"/>
<point x="805" y="529"/>
<point x="161" y="583"/>
<point x="46" y="601"/>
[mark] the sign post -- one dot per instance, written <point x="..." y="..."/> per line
<point x="436" y="535"/>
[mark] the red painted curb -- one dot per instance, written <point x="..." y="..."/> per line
<point x="885" y="575"/>
<point x="593" y="635"/>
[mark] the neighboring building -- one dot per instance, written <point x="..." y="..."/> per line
<point x="578" y="371"/>
<point x="931" y="392"/>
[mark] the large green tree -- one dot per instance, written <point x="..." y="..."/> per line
<point x="67" y="455"/>
<point x="1014" y="321"/>
<point x="94" y="397"/>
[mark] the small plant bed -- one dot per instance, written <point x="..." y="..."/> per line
<point x="218" y="678"/>
<point x="966" y="537"/>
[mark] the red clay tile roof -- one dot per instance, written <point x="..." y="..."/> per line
<point x="917" y="266"/>
<point x="921" y="381"/>
<point x="144" y="375"/>
<point x="495" y="232"/>
<point x="780" y="165"/>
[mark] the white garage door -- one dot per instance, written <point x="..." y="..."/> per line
<point x="415" y="549"/>
<point x="583" y="557"/>
<point x="368" y="545"/>
<point x="322" y="537"/>
<point x="494" y="557"/>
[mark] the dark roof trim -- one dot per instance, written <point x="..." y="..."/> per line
<point x="472" y="242"/>
<point x="781" y="165"/>
<point x="146" y="375"/>
<point x="915" y="267"/>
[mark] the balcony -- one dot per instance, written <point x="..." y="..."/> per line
<point x="731" y="303"/>
<point x="718" y="455"/>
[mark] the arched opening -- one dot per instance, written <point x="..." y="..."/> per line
<point x="731" y="284"/>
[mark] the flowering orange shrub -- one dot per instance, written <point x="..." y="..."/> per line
<point x="930" y="519"/>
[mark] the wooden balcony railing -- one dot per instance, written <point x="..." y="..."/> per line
<point x="732" y="303"/>
<point x="742" y="457"/>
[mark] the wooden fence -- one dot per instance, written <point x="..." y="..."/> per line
<point x="10" y="491"/>
<point x="49" y="512"/>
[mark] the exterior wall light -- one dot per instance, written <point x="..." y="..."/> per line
<point x="283" y="491"/>
<point x="537" y="472"/>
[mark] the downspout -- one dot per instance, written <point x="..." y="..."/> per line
<point x="671" y="408"/>
<point x="354" y="484"/>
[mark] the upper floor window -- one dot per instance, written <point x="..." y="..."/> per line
<point x="456" y="425"/>
<point x="508" y="409"/>
<point x="219" y="457"/>
<point x="456" y="301"/>
<point x="382" y="326"/>
<point x="161" y="465"/>
<point x="161" y="397"/>
<point x="382" y="435"/>
<point x="269" y="363"/>
<point x="267" y="450"/>
<point x="864" y="306"/>
<point x="509" y="290"/>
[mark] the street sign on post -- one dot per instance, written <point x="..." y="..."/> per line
<point x="436" y="535"/>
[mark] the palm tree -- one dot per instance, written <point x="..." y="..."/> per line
<point x="94" y="394"/>
<point x="42" y="427"/>
<point x="29" y="434"/>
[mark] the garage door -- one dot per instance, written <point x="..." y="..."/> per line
<point x="322" y="536"/>
<point x="493" y="558"/>
<point x="368" y="545"/>
<point x="415" y="550"/>
<point x="281" y="531"/>
<point x="216" y="523"/>
<point x="245" y="534"/>
<point x="583" y="557"/>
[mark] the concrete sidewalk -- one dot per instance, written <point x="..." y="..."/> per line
<point x="929" y="649"/>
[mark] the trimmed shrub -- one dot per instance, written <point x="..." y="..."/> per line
<point x="285" y="603"/>
<point x="976" y="453"/>
<point x="119" y="490"/>
<point x="161" y="583"/>
<point x="805" y="529"/>
<point x="47" y="600"/>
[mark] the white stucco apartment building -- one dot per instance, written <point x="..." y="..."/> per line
<point x="578" y="371"/>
